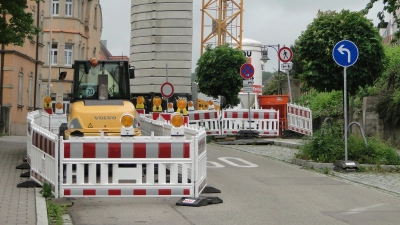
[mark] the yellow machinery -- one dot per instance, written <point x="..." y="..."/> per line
<point x="100" y="100"/>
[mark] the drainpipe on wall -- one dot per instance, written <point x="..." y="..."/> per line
<point x="1" y="84"/>
<point x="37" y="56"/>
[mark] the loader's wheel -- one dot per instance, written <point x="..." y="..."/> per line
<point x="62" y="129"/>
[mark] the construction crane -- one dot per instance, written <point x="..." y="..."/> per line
<point x="221" y="23"/>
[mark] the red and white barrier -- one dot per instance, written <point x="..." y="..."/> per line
<point x="166" y="118"/>
<point x="265" y="121"/>
<point x="111" y="166"/>
<point x="209" y="119"/>
<point x="299" y="119"/>
<point x="43" y="157"/>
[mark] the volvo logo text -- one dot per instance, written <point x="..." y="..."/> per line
<point x="105" y="117"/>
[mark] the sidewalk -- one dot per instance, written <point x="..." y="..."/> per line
<point x="17" y="205"/>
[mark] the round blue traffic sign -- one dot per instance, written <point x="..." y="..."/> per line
<point x="345" y="53"/>
<point x="247" y="71"/>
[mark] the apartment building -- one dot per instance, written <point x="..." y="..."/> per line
<point x="389" y="28"/>
<point x="71" y="31"/>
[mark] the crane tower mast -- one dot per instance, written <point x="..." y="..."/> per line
<point x="221" y="23"/>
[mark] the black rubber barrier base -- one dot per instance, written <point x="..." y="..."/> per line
<point x="200" y="201"/>
<point x="23" y="166"/>
<point x="346" y="166"/>
<point x="209" y="189"/>
<point x="25" y="174"/>
<point x="28" y="184"/>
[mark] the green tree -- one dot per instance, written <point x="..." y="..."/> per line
<point x="390" y="6"/>
<point x="266" y="76"/>
<point x="218" y="73"/>
<point x="297" y="67"/>
<point x="388" y="88"/>
<point x="15" y="23"/>
<point x="314" y="49"/>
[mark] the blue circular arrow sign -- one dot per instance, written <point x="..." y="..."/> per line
<point x="345" y="53"/>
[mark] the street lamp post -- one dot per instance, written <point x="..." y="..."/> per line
<point x="264" y="59"/>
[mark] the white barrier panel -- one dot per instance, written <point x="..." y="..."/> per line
<point x="299" y="119"/>
<point x="115" y="167"/>
<point x="112" y="166"/>
<point x="43" y="157"/>
<point x="265" y="121"/>
<point x="200" y="162"/>
<point x="209" y="119"/>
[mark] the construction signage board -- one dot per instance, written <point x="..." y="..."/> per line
<point x="248" y="89"/>
<point x="286" y="66"/>
<point x="248" y="82"/>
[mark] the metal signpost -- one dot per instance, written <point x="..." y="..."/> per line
<point x="285" y="54"/>
<point x="247" y="72"/>
<point x="345" y="54"/>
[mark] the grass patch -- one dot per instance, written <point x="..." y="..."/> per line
<point x="55" y="211"/>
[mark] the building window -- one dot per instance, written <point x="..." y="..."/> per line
<point x="20" y="87"/>
<point x="68" y="55"/>
<point x="30" y="94"/>
<point x="68" y="7"/>
<point x="53" y="54"/>
<point x="82" y="8"/>
<point x="41" y="32"/>
<point x="95" y="17"/>
<point x="56" y="6"/>
<point x="33" y="17"/>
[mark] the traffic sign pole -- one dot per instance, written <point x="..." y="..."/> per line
<point x="345" y="113"/>
<point x="247" y="72"/>
<point x="345" y="54"/>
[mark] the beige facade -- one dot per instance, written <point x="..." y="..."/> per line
<point x="21" y="65"/>
<point x="75" y="27"/>
<point x="74" y="35"/>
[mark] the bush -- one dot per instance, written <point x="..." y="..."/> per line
<point x="327" y="146"/>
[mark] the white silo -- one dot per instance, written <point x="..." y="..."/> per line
<point x="161" y="35"/>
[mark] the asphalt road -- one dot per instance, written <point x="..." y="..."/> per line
<point x="255" y="190"/>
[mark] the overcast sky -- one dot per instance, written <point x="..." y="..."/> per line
<point x="270" y="22"/>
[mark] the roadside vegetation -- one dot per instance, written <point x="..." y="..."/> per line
<point x="55" y="211"/>
<point x="327" y="146"/>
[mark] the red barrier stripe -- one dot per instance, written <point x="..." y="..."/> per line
<point x="164" y="192"/>
<point x="67" y="150"/>
<point x="186" y="150"/>
<point x="89" y="192"/>
<point x="164" y="150"/>
<point x="255" y="115"/>
<point x="186" y="191"/>
<point x="67" y="192"/>
<point x="114" y="192"/>
<point x="139" y="150"/>
<point x="139" y="192"/>
<point x="89" y="150"/>
<point x="114" y="150"/>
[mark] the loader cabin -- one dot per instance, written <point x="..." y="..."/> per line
<point x="100" y="100"/>
<point x="101" y="80"/>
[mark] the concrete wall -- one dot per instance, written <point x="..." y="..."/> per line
<point x="161" y="35"/>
